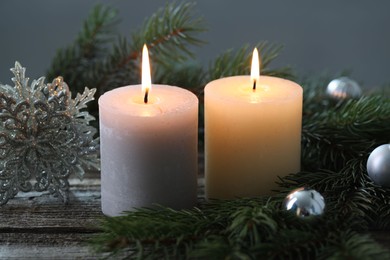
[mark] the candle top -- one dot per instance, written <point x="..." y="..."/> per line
<point x="164" y="100"/>
<point x="240" y="89"/>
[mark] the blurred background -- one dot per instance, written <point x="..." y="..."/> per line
<point x="319" y="36"/>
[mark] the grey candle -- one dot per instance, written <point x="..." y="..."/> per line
<point x="148" y="149"/>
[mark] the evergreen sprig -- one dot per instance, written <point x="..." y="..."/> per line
<point x="341" y="132"/>
<point x="337" y="138"/>
<point x="169" y="34"/>
<point x="238" y="62"/>
<point x="239" y="229"/>
<point x="251" y="228"/>
<point x="102" y="59"/>
<point x="74" y="63"/>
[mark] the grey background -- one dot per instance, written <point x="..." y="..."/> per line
<point x="319" y="36"/>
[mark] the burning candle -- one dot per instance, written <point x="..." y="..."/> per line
<point x="252" y="133"/>
<point x="148" y="146"/>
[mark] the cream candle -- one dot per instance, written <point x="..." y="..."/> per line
<point x="148" y="147"/>
<point x="252" y="134"/>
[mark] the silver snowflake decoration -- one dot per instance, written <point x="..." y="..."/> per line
<point x="44" y="136"/>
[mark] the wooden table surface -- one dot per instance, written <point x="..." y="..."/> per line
<point x="38" y="226"/>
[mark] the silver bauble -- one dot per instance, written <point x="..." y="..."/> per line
<point x="343" y="88"/>
<point x="304" y="202"/>
<point x="378" y="165"/>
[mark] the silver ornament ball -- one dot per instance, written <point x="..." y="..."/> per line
<point x="343" y="88"/>
<point x="304" y="202"/>
<point x="378" y="165"/>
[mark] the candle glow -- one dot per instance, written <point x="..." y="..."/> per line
<point x="146" y="80"/>
<point x="255" y="68"/>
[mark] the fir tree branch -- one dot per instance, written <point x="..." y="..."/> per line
<point x="352" y="245"/>
<point x="259" y="227"/>
<point x="94" y="60"/>
<point x="74" y="62"/>
<point x="334" y="134"/>
<point x="169" y="33"/>
<point x="238" y="62"/>
<point x="98" y="29"/>
<point x="242" y="228"/>
<point x="189" y="75"/>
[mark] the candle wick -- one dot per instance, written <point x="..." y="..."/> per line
<point x="146" y="96"/>
<point x="254" y="85"/>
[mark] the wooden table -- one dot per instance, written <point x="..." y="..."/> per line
<point x="37" y="225"/>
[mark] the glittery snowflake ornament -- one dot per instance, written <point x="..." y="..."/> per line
<point x="44" y="136"/>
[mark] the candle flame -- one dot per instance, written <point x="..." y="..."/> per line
<point x="255" y="68"/>
<point x="146" y="78"/>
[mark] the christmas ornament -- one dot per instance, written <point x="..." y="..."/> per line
<point x="304" y="202"/>
<point x="43" y="135"/>
<point x="343" y="88"/>
<point x="378" y="165"/>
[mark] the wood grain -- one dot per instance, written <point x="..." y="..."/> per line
<point x="38" y="226"/>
